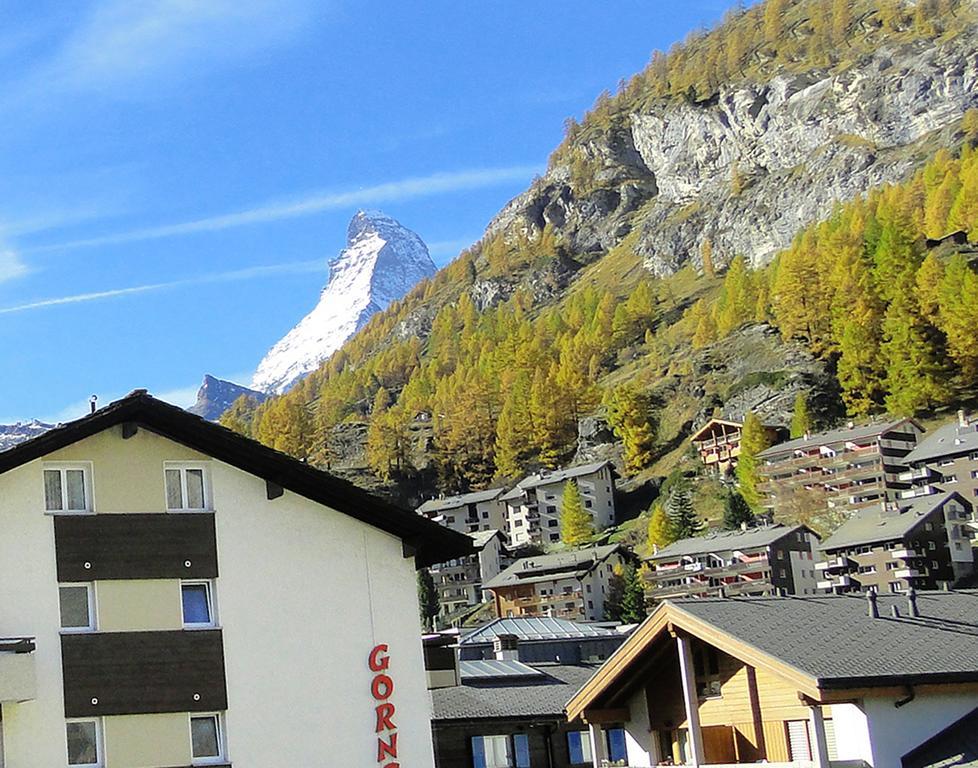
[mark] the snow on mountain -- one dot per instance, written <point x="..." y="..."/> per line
<point x="12" y="434"/>
<point x="382" y="261"/>
<point x="216" y="395"/>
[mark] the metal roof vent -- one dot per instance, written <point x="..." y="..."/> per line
<point x="873" y="610"/>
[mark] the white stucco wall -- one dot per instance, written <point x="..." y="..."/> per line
<point x="639" y="742"/>
<point x="851" y="732"/>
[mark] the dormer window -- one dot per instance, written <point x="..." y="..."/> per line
<point x="67" y="489"/>
<point x="186" y="487"/>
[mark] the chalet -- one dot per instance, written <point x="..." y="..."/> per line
<point x="756" y="561"/>
<point x="718" y="444"/>
<point x="811" y="681"/>
<point x="184" y="596"/>
<point x="922" y="542"/>
<point x="533" y="506"/>
<point x="468" y="512"/>
<point x="843" y="469"/>
<point x="565" y="585"/>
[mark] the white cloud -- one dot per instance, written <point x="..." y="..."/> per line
<point x="11" y="265"/>
<point x="248" y="273"/>
<point x="387" y="192"/>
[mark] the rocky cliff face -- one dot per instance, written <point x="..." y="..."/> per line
<point x="216" y="395"/>
<point x="12" y="434"/>
<point x="382" y="261"/>
<point x="752" y="167"/>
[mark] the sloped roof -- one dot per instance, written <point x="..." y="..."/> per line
<point x="454" y="502"/>
<point x="551" y="478"/>
<point x="948" y="440"/>
<point x="543" y="696"/>
<point x="529" y="570"/>
<point x="871" y="525"/>
<point x="820" y="643"/>
<point x="954" y="747"/>
<point x="481" y="538"/>
<point x="527" y="628"/>
<point x="860" y="432"/>
<point x="494" y="669"/>
<point x="724" y="541"/>
<point x="432" y="542"/>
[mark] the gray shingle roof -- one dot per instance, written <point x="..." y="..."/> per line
<point x="833" y="640"/>
<point x="543" y="696"/>
<point x="870" y="525"/>
<point x="527" y="628"/>
<point x="860" y="432"/>
<point x="954" y="747"/>
<point x="725" y="541"/>
<point x="529" y="570"/>
<point x="481" y="538"/>
<point x="553" y="478"/>
<point x="949" y="440"/>
<point x="455" y="502"/>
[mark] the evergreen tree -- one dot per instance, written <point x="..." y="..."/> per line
<point x="427" y="599"/>
<point x="753" y="440"/>
<point x="660" y="532"/>
<point x="615" y="596"/>
<point x="633" y="607"/>
<point x="679" y="507"/>
<point x="801" y="420"/>
<point x="576" y="522"/>
<point x="735" y="511"/>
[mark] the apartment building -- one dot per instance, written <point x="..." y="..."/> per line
<point x="754" y="561"/>
<point x="533" y="506"/>
<point x="844" y="469"/>
<point x="460" y="581"/>
<point x="718" y="444"/>
<point x="566" y="585"/>
<point x="922" y="542"/>
<point x="946" y="459"/>
<point x="812" y="682"/>
<point x="186" y="596"/>
<point x="468" y="512"/>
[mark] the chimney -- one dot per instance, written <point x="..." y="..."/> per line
<point x="894" y="612"/>
<point x="808" y="435"/>
<point x="912" y="601"/>
<point x="506" y="648"/>
<point x="962" y="418"/>
<point x="743" y="525"/>
<point x="850" y="424"/>
<point x="91" y="403"/>
<point x="873" y="610"/>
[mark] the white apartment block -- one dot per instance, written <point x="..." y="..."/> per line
<point x="469" y="512"/>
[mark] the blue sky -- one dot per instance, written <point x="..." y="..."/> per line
<point x="175" y="174"/>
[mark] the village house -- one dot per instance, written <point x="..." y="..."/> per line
<point x="175" y="590"/>
<point x="718" y="444"/>
<point x="468" y="512"/>
<point x="813" y="682"/>
<point x="922" y="542"/>
<point x="756" y="561"/>
<point x="460" y="581"/>
<point x="843" y="469"/>
<point x="533" y="506"/>
<point x="566" y="585"/>
<point x="946" y="459"/>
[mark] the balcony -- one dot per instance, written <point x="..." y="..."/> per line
<point x="839" y="563"/>
<point x="904" y="553"/>
<point x="913" y="475"/>
<point x="17" y="673"/>
<point x="906" y="573"/>
<point x="835" y="582"/>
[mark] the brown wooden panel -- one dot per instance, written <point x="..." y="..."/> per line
<point x="135" y="546"/>
<point x="143" y="672"/>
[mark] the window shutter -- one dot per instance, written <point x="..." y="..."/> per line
<point x="478" y="752"/>
<point x="522" y="744"/>
<point x="799" y="747"/>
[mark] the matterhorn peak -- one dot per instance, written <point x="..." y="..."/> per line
<point x="382" y="261"/>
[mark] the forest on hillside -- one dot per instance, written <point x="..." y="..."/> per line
<point x="880" y="290"/>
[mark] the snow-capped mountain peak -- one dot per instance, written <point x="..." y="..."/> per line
<point x="382" y="261"/>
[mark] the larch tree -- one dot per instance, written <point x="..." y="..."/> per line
<point x="801" y="418"/>
<point x="706" y="253"/>
<point x="633" y="421"/>
<point x="754" y="439"/>
<point x="660" y="530"/>
<point x="576" y="522"/>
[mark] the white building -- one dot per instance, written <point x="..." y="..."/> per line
<point x="460" y="581"/>
<point x="533" y="506"/>
<point x="187" y="596"/>
<point x="468" y="512"/>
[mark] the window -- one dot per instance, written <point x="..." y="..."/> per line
<point x="617" y="751"/>
<point x="501" y="751"/>
<point x="553" y="523"/>
<point x="588" y="503"/>
<point x="555" y="537"/>
<point x="77" y="608"/>
<point x="185" y="487"/>
<point x="579" y="747"/>
<point x="66" y="489"/>
<point x="206" y="739"/>
<point x="198" y="604"/>
<point x="84" y="738"/>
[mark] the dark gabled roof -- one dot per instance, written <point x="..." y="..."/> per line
<point x="873" y="524"/>
<point x="432" y="542"/>
<point x="554" y="477"/>
<point x="861" y="432"/>
<point x="954" y="747"/>
<point x="726" y="541"/>
<point x="543" y="696"/>
<point x="949" y="440"/>
<point x="455" y="502"/>
<point x="557" y="565"/>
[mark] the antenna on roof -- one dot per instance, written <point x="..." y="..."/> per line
<point x="91" y="403"/>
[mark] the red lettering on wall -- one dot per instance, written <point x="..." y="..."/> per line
<point x="382" y="687"/>
<point x="378" y="662"/>
<point x="387" y="748"/>
<point x="385" y="712"/>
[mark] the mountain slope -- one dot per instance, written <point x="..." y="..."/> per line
<point x="216" y="395"/>
<point x="12" y="434"/>
<point x="381" y="262"/>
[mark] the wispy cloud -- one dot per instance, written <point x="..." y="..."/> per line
<point x="11" y="265"/>
<point x="248" y="273"/>
<point x="387" y="192"/>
